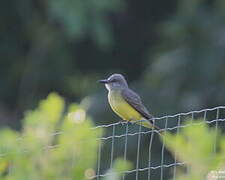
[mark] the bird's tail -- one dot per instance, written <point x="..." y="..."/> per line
<point x="148" y="124"/>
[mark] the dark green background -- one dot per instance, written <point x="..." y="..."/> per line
<point x="171" y="52"/>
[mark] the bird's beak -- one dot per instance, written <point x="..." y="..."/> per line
<point x="104" y="81"/>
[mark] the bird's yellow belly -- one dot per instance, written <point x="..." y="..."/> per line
<point x="122" y="108"/>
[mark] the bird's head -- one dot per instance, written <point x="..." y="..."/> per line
<point x="115" y="81"/>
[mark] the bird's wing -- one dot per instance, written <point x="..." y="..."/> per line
<point x="135" y="101"/>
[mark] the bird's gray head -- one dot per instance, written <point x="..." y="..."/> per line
<point x="115" y="81"/>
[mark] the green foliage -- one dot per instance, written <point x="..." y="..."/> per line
<point x="38" y="152"/>
<point x="191" y="45"/>
<point x="201" y="147"/>
<point x="81" y="18"/>
<point x="119" y="167"/>
<point x="58" y="45"/>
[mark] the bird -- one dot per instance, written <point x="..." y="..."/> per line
<point x="126" y="103"/>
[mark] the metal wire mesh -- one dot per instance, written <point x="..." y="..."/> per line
<point x="142" y="146"/>
<point x="151" y="160"/>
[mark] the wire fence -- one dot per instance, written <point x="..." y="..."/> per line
<point x="151" y="159"/>
<point x="143" y="147"/>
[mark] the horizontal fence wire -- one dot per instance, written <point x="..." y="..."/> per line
<point x="164" y="117"/>
<point x="143" y="148"/>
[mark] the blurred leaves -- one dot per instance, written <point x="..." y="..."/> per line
<point x="119" y="166"/>
<point x="53" y="145"/>
<point x="201" y="147"/>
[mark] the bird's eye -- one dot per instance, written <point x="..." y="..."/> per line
<point x="112" y="80"/>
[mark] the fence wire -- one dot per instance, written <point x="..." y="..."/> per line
<point x="142" y="146"/>
<point x="151" y="161"/>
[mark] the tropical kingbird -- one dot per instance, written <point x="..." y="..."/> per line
<point x="125" y="102"/>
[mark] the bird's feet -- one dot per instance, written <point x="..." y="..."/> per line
<point x="122" y="122"/>
<point x="126" y="122"/>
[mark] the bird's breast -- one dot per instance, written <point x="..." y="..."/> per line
<point x="121" y="107"/>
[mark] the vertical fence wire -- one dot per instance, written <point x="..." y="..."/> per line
<point x="99" y="160"/>
<point x="149" y="151"/>
<point x="191" y="122"/>
<point x="125" y="145"/>
<point x="162" y="153"/>
<point x="175" y="156"/>
<point x="138" y="152"/>
<point x="217" y="117"/>
<point x="112" y="147"/>
<point x="205" y="115"/>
